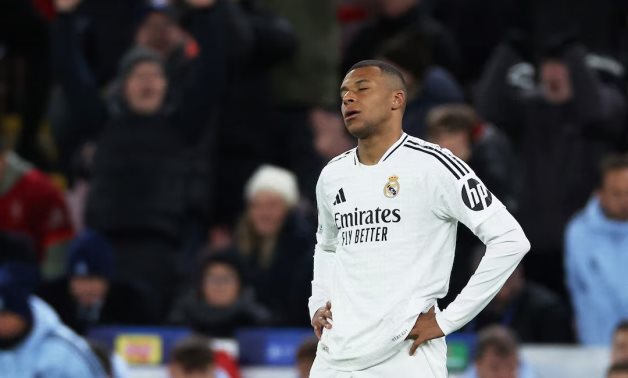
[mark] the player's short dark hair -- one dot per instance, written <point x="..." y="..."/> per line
<point x="499" y="339"/>
<point x="620" y="367"/>
<point x="451" y="118"/>
<point x="307" y="350"/>
<point x="386" y="68"/>
<point x="193" y="354"/>
<point x="613" y="162"/>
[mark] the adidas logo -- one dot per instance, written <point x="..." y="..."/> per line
<point x="340" y="197"/>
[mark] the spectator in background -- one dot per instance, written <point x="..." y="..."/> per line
<point x="428" y="85"/>
<point x="193" y="357"/>
<point x="88" y="295"/>
<point x="138" y="195"/>
<point x="561" y="129"/>
<point x="535" y="314"/>
<point x="497" y="356"/>
<point x="394" y="18"/>
<point x="619" y="350"/>
<point x="619" y="370"/>
<point x="159" y="31"/>
<point x="596" y="254"/>
<point x="32" y="205"/>
<point x="303" y="82"/>
<point x="305" y="357"/>
<point x="480" y="144"/>
<point x="221" y="302"/>
<point x="33" y="341"/>
<point x="276" y="243"/>
<point x="250" y="132"/>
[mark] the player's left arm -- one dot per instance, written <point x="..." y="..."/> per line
<point x="506" y="244"/>
<point x="467" y="200"/>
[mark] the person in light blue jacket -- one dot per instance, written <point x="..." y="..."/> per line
<point x="33" y="341"/>
<point x="596" y="256"/>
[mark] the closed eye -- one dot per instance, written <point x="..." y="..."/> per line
<point x="362" y="89"/>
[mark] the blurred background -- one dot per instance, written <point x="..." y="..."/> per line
<point x="158" y="161"/>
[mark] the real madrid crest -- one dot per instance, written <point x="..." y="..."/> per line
<point x="391" y="189"/>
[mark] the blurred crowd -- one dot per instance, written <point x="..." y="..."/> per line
<point x="158" y="160"/>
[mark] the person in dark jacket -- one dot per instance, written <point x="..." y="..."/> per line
<point x="276" y="243"/>
<point x="221" y="301"/>
<point x="251" y="132"/>
<point x="89" y="296"/>
<point x="536" y="314"/>
<point x="396" y="17"/>
<point x="562" y="120"/>
<point x="138" y="195"/>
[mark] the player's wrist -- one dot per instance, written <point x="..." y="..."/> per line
<point x="444" y="324"/>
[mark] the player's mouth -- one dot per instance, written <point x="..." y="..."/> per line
<point x="351" y="114"/>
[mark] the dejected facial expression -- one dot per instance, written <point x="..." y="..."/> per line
<point x="492" y="365"/>
<point x="620" y="347"/>
<point x="614" y="194"/>
<point x="89" y="291"/>
<point x="145" y="88"/>
<point x="367" y="101"/>
<point x="221" y="285"/>
<point x="267" y="212"/>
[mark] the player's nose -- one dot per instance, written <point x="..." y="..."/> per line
<point x="348" y="98"/>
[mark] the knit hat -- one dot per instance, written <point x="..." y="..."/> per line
<point x="136" y="56"/>
<point x="15" y="301"/>
<point x="16" y="285"/>
<point x="90" y="254"/>
<point x="273" y="179"/>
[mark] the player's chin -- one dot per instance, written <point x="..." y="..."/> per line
<point x="356" y="128"/>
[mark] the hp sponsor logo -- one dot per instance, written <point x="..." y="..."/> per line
<point x="475" y="195"/>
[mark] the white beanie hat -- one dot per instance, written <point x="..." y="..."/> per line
<point x="273" y="179"/>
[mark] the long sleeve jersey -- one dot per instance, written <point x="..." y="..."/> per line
<point x="385" y="248"/>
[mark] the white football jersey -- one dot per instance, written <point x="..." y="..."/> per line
<point x="392" y="229"/>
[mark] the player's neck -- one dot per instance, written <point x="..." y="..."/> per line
<point x="371" y="149"/>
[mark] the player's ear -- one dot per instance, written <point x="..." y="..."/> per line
<point x="398" y="99"/>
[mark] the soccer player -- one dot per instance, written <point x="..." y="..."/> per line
<point x="388" y="212"/>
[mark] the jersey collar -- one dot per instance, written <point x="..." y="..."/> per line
<point x="391" y="150"/>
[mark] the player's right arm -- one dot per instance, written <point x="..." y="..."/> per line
<point x="324" y="261"/>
